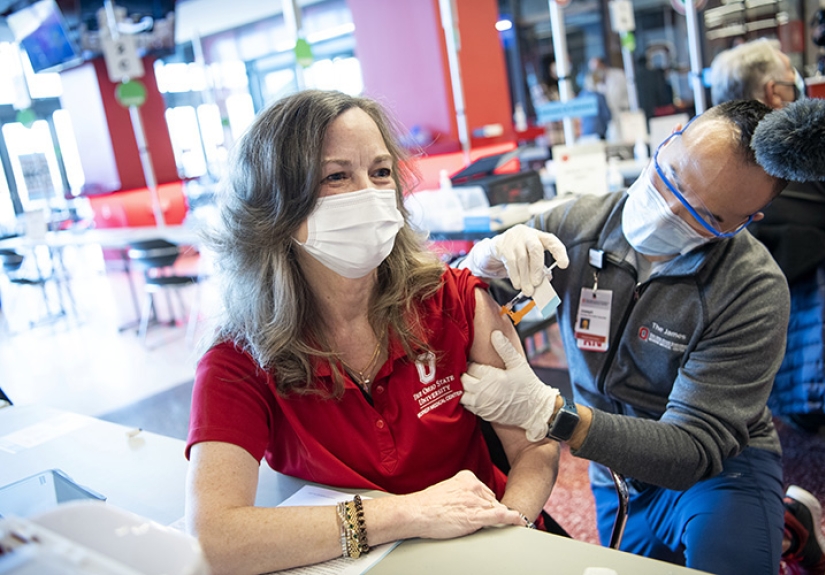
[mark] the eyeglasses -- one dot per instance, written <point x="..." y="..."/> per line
<point x="713" y="226"/>
<point x="796" y="91"/>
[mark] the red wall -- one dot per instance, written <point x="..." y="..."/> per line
<point x="124" y="145"/>
<point x="403" y="56"/>
<point x="400" y="46"/>
<point x="483" y="70"/>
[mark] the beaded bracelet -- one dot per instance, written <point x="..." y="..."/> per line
<point x="363" y="544"/>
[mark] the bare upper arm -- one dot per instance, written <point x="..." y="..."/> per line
<point x="221" y="476"/>
<point x="488" y="319"/>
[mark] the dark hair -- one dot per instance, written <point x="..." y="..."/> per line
<point x="745" y="115"/>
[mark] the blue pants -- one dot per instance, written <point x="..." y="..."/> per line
<point x="729" y="524"/>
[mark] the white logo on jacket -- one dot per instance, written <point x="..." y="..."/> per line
<point x="663" y="337"/>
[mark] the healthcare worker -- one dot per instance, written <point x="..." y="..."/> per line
<point x="673" y="321"/>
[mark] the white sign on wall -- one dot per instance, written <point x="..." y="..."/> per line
<point x="36" y="176"/>
<point x="122" y="60"/>
<point x="621" y="16"/>
<point x="580" y="169"/>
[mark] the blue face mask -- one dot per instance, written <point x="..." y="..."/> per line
<point x="650" y="226"/>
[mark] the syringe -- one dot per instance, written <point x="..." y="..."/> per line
<point x="517" y="316"/>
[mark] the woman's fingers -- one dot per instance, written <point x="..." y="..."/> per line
<point x="460" y="505"/>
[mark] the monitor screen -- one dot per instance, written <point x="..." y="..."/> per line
<point x="43" y="34"/>
<point x="151" y="22"/>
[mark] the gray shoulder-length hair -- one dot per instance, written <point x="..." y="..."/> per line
<point x="269" y="309"/>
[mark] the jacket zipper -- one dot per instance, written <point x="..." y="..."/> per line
<point x="611" y="352"/>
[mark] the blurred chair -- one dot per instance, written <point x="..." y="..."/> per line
<point x="157" y="257"/>
<point x="4" y="399"/>
<point x="17" y="274"/>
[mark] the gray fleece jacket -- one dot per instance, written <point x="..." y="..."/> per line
<point x="692" y="351"/>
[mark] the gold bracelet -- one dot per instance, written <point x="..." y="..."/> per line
<point x="350" y="541"/>
<point x="352" y="528"/>
<point x="353" y="536"/>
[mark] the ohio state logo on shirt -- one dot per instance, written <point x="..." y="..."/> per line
<point x="435" y="392"/>
<point x="426" y="373"/>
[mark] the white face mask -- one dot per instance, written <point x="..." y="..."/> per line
<point x="651" y="227"/>
<point x="352" y="233"/>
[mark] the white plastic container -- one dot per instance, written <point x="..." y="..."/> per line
<point x="476" y="208"/>
<point x="615" y="179"/>
<point x="449" y="209"/>
<point x="435" y="210"/>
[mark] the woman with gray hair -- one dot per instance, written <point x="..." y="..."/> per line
<point x="339" y="356"/>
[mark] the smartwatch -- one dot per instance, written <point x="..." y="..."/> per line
<point x="564" y="422"/>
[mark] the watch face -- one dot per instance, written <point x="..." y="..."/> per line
<point x="564" y="424"/>
<point x="565" y="421"/>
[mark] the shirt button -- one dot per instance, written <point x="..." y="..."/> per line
<point x="379" y="424"/>
<point x="379" y="389"/>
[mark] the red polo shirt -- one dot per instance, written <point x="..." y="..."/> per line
<point x="415" y="435"/>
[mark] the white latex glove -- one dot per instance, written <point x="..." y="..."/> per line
<point x="518" y="254"/>
<point x="510" y="396"/>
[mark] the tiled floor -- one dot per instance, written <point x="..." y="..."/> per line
<point x="84" y="362"/>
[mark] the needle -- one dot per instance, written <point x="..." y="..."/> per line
<point x="517" y="316"/>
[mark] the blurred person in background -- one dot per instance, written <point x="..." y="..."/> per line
<point x="596" y="124"/>
<point x="793" y="231"/>
<point x="611" y="82"/>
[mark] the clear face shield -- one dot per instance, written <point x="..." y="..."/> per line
<point x="672" y="159"/>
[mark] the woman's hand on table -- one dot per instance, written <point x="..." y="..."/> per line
<point x="458" y="506"/>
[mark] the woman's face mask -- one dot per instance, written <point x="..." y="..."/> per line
<point x="352" y="233"/>
<point x="651" y="227"/>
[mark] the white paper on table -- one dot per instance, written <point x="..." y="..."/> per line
<point x="310" y="495"/>
<point x="43" y="431"/>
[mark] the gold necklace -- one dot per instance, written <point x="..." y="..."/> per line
<point x="359" y="374"/>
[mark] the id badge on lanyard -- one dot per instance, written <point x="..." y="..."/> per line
<point x="592" y="329"/>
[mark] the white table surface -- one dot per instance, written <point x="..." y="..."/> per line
<point x="106" y="237"/>
<point x="145" y="473"/>
<point x="515" y="550"/>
